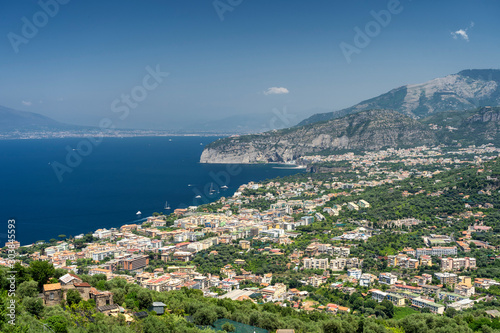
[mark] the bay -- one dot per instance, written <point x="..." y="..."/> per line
<point x="116" y="179"/>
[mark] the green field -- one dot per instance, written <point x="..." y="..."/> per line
<point x="401" y="312"/>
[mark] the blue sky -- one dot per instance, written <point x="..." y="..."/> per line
<point x="92" y="52"/>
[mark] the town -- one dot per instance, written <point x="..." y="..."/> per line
<point x="283" y="241"/>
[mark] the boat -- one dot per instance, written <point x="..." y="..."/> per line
<point x="167" y="206"/>
<point x="224" y="187"/>
<point x="198" y="197"/>
<point x="212" y="188"/>
<point x="138" y="213"/>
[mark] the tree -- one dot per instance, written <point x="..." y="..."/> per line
<point x="33" y="305"/>
<point x="389" y="308"/>
<point x="205" y="316"/>
<point x="58" y="324"/>
<point x="62" y="236"/>
<point x="228" y="327"/>
<point x="28" y="289"/>
<point x="41" y="271"/>
<point x="144" y="298"/>
<point x="450" y="312"/>
<point x="73" y="297"/>
<point x="153" y="324"/>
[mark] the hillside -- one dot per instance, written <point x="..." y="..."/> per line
<point x="367" y="130"/>
<point x="15" y="120"/>
<point x="465" y="90"/>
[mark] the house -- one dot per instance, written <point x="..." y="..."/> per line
<point x="354" y="273"/>
<point x="387" y="278"/>
<point x="52" y="294"/>
<point x="84" y="290"/>
<point x="101" y="298"/>
<point x="158" y="307"/>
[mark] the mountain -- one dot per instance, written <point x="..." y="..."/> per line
<point x="14" y="120"/>
<point x="479" y="126"/>
<point x="365" y="130"/>
<point x="466" y="90"/>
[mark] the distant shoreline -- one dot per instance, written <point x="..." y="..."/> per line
<point x="63" y="135"/>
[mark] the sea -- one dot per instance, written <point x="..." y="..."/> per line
<point x="70" y="186"/>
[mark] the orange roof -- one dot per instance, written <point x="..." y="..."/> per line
<point x="51" y="286"/>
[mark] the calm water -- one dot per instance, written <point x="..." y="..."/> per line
<point x="117" y="179"/>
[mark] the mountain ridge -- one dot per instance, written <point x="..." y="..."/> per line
<point x="468" y="89"/>
<point x="365" y="130"/>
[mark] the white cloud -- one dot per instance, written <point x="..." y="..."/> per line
<point x="27" y="103"/>
<point x="462" y="33"/>
<point x="276" y="91"/>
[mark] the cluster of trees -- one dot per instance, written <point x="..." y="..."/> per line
<point x="256" y="261"/>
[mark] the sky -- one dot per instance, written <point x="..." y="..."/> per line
<point x="165" y="64"/>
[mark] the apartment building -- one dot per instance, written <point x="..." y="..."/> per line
<point x="454" y="264"/>
<point x="446" y="278"/>
<point x="312" y="263"/>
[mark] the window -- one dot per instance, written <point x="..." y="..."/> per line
<point x="51" y="296"/>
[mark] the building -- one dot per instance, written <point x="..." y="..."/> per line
<point x="352" y="206"/>
<point x="354" y="273"/>
<point x="366" y="279"/>
<point x="439" y="251"/>
<point x="135" y="262"/>
<point x="396" y="299"/>
<point x="420" y="303"/>
<point x="311" y="263"/>
<point x="52" y="294"/>
<point x="158" y="307"/>
<point x="446" y="278"/>
<point x="245" y="245"/>
<point x="464" y="290"/>
<point x="387" y="278"/>
<point x="462" y="304"/>
<point x="338" y="264"/>
<point x="454" y="264"/>
<point x="101" y="298"/>
<point x="363" y="204"/>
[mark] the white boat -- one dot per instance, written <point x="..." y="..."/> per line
<point x="198" y="196"/>
<point x="138" y="213"/>
<point x="212" y="188"/>
<point x="167" y="206"/>
<point x="224" y="187"/>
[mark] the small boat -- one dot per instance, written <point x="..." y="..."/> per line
<point x="212" y="188"/>
<point x="198" y="197"/>
<point x="138" y="213"/>
<point x="167" y="206"/>
<point x="224" y="187"/>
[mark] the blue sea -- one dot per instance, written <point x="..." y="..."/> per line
<point x="105" y="185"/>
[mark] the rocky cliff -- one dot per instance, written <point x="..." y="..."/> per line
<point x="367" y="130"/>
